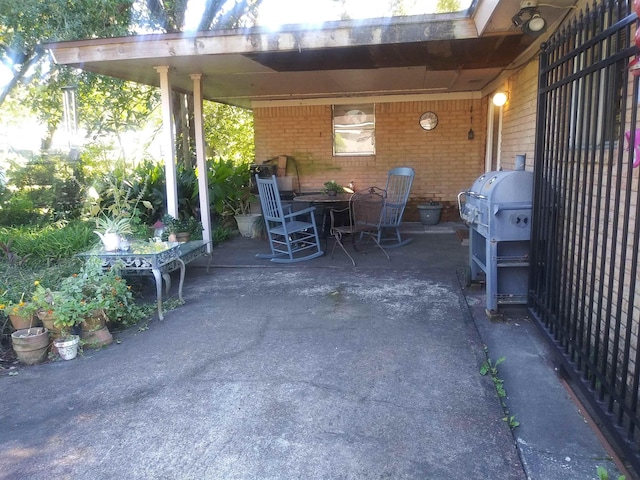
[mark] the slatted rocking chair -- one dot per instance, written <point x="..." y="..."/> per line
<point x="399" y="181"/>
<point x="293" y="236"/>
<point x="365" y="213"/>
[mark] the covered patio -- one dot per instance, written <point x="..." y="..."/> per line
<point x="291" y="78"/>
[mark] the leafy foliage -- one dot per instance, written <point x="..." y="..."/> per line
<point x="228" y="188"/>
<point x="47" y="188"/>
<point x="49" y="243"/>
<point x="24" y="25"/>
<point x="228" y="132"/>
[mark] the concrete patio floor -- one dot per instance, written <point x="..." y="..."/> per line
<point x="315" y="370"/>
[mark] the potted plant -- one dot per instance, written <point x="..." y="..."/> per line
<point x="112" y="230"/>
<point x="430" y="212"/>
<point x="16" y="286"/>
<point x="43" y="300"/>
<point x="109" y="297"/>
<point x="69" y="309"/>
<point x="21" y="312"/>
<point x="30" y="344"/>
<point x="181" y="229"/>
<point x="332" y="188"/>
<point x="239" y="202"/>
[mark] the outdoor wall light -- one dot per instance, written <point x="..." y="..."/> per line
<point x="499" y="99"/>
<point x="529" y="19"/>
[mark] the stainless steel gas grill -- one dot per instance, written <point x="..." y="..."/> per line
<point x="498" y="211"/>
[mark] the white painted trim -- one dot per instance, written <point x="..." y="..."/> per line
<point x="201" y="159"/>
<point x="499" y="148"/>
<point x="168" y="143"/>
<point x="490" y="145"/>
<point x="428" y="97"/>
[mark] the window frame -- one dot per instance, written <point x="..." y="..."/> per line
<point x="357" y="120"/>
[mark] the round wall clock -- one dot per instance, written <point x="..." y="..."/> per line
<point x="428" y="120"/>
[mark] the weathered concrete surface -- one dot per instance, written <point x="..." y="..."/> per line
<point x="312" y="370"/>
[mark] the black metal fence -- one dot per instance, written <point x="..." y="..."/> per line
<point x="584" y="288"/>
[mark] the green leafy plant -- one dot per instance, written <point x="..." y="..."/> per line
<point x="121" y="226"/>
<point x="85" y="294"/>
<point x="603" y="474"/>
<point x="240" y="201"/>
<point x="16" y="286"/>
<point x="511" y="421"/>
<point x="42" y="298"/>
<point x="181" y="225"/>
<point x="332" y="186"/>
<point x="20" y="308"/>
<point x="489" y="368"/>
<point x="119" y="207"/>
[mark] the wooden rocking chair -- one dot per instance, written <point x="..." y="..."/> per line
<point x="290" y="234"/>
<point x="399" y="181"/>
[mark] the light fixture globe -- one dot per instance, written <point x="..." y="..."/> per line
<point x="499" y="99"/>
<point x="535" y="25"/>
<point x="529" y="18"/>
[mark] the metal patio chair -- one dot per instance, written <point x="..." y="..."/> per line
<point x="293" y="236"/>
<point x="399" y="181"/>
<point x="364" y="215"/>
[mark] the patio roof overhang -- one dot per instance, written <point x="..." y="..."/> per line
<point x="423" y="54"/>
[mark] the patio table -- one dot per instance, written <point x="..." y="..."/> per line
<point x="324" y="203"/>
<point x="157" y="258"/>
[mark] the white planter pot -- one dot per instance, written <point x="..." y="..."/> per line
<point x="67" y="347"/>
<point x="249" y="225"/>
<point x="111" y="241"/>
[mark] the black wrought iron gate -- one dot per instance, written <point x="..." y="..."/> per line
<point x="584" y="289"/>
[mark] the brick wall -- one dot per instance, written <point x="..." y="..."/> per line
<point x="519" y="116"/>
<point x="445" y="161"/>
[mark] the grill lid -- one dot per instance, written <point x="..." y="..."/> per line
<point x="507" y="186"/>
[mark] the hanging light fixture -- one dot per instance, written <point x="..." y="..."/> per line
<point x="529" y="19"/>
<point x="499" y="98"/>
<point x="470" y="133"/>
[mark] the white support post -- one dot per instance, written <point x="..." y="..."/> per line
<point x="169" y="144"/>
<point x="201" y="159"/>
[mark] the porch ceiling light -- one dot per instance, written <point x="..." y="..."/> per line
<point x="529" y="19"/>
<point x="499" y="99"/>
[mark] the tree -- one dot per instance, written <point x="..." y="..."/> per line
<point x="228" y="132"/>
<point x="446" y="6"/>
<point x="169" y="16"/>
<point x="26" y="24"/>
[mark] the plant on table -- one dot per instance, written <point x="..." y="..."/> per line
<point x="182" y="224"/>
<point x="332" y="186"/>
<point x="119" y="226"/>
<point x="119" y="209"/>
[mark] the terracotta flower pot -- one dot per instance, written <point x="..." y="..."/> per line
<point x="47" y="320"/>
<point x="96" y="338"/>
<point x="18" y="322"/>
<point x="95" y="322"/>
<point x="31" y="344"/>
<point x="180" y="237"/>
